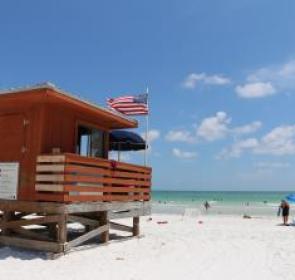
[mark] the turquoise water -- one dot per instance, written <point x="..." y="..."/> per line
<point x="221" y="202"/>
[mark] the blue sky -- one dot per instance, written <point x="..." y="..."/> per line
<point x="221" y="76"/>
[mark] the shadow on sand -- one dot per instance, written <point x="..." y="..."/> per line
<point x="21" y="254"/>
<point x="26" y="254"/>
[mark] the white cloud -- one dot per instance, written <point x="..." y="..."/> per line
<point x="269" y="80"/>
<point x="282" y="74"/>
<point x="193" y="79"/>
<point x="255" y="90"/>
<point x="153" y="135"/>
<point x="238" y="148"/>
<point x="214" y="128"/>
<point x="183" y="154"/>
<point x="248" y="128"/>
<point x="180" y="136"/>
<point x="278" y="142"/>
<point x="211" y="129"/>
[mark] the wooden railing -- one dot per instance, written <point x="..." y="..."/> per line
<point x="75" y="178"/>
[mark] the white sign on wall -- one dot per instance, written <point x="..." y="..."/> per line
<point x="9" y="180"/>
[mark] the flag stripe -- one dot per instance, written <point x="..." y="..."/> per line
<point x="130" y="105"/>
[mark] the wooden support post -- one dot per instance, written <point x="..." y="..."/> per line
<point x="104" y="221"/>
<point x="62" y="230"/>
<point x="52" y="231"/>
<point x="135" y="226"/>
<point x="7" y="217"/>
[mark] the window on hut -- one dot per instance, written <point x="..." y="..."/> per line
<point x="90" y="141"/>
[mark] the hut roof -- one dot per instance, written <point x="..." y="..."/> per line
<point x="119" y="120"/>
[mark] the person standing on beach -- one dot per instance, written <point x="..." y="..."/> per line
<point x="284" y="208"/>
<point x="206" y="205"/>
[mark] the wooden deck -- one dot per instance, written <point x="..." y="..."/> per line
<point x="74" y="178"/>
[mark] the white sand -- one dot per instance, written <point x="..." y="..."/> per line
<point x="220" y="248"/>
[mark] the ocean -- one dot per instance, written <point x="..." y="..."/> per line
<point x="221" y="202"/>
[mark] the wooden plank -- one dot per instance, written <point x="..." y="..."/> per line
<point x="49" y="187"/>
<point x="85" y="237"/>
<point x="54" y="197"/>
<point x="50" y="168"/>
<point x="31" y="206"/>
<point x="73" y="158"/>
<point x="134" y="167"/>
<point x="108" y="198"/>
<point x="122" y="174"/>
<point x="106" y="163"/>
<point x="105" y="189"/>
<point x="75" y="207"/>
<point x="94" y="206"/>
<point x="103" y="171"/>
<point x="88" y="179"/>
<point x="30" y="234"/>
<point x="36" y="221"/>
<point x="120" y="227"/>
<point x="83" y="220"/>
<point x="87" y="170"/>
<point x="31" y="244"/>
<point x="51" y="158"/>
<point x="50" y="178"/>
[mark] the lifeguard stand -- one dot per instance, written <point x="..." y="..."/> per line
<point x="54" y="163"/>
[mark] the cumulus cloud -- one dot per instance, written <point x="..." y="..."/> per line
<point x="153" y="135"/>
<point x="278" y="142"/>
<point x="180" y="136"/>
<point x="211" y="129"/>
<point x="192" y="80"/>
<point x="255" y="90"/>
<point x="214" y="128"/>
<point x="238" y="148"/>
<point x="183" y="154"/>
<point x="269" y="80"/>
<point x="248" y="128"/>
<point x="282" y="74"/>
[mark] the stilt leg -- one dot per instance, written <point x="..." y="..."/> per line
<point x="104" y="220"/>
<point x="62" y="230"/>
<point x="7" y="216"/>
<point x="135" y="226"/>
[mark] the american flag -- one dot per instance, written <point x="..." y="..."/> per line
<point x="130" y="105"/>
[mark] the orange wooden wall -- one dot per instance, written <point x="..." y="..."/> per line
<point x="46" y="124"/>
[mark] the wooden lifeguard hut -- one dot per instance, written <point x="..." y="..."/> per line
<point x="54" y="170"/>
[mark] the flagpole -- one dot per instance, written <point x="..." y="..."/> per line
<point x="146" y="132"/>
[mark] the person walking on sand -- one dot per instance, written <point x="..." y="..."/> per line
<point x="284" y="208"/>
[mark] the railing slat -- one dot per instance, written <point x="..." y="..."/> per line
<point x="70" y="177"/>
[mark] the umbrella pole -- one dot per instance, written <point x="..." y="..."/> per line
<point x="119" y="152"/>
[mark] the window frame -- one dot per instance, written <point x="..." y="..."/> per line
<point x="92" y="126"/>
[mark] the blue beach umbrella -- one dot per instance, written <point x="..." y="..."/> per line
<point x="291" y="197"/>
